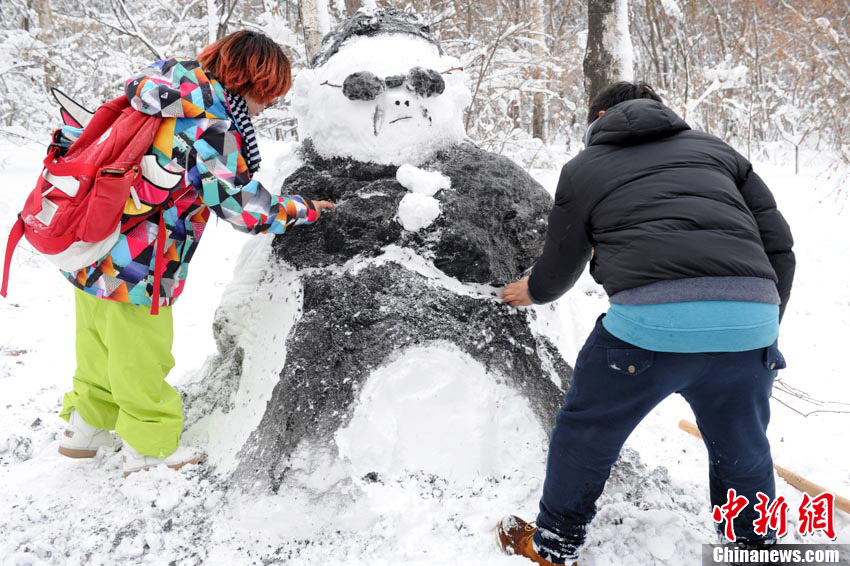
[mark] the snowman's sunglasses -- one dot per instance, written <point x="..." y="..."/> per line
<point x="365" y="85"/>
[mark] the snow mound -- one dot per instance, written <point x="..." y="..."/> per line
<point x="420" y="181"/>
<point x="417" y="211"/>
<point x="258" y="307"/>
<point x="451" y="420"/>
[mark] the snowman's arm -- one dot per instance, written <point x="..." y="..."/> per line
<point x="567" y="249"/>
<point x="224" y="184"/>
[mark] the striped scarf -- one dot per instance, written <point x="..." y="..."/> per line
<point x="250" y="151"/>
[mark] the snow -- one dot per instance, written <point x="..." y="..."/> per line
<point x="409" y="419"/>
<point x="324" y="16"/>
<point x="727" y="76"/>
<point x="274" y="303"/>
<point x="672" y="9"/>
<point x="421" y="181"/>
<point x="417" y="211"/>
<point x="425" y="267"/>
<point x="448" y="467"/>
<point x="723" y="76"/>
<point x="275" y="25"/>
<point x="397" y="127"/>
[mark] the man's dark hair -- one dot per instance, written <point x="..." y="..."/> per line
<point x="617" y="93"/>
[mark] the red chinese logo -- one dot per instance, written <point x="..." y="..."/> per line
<point x="817" y="514"/>
<point x="733" y="507"/>
<point x="774" y="517"/>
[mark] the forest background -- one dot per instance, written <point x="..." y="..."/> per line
<point x="764" y="75"/>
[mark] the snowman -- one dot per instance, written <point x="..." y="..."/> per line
<point x="378" y="336"/>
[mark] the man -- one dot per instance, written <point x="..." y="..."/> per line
<point x="697" y="262"/>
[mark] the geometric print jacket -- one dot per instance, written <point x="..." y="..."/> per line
<point x="199" y="140"/>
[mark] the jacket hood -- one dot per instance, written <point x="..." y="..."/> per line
<point x="177" y="88"/>
<point x="635" y="121"/>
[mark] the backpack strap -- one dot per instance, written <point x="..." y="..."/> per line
<point x="159" y="253"/>
<point x="67" y="169"/>
<point x="102" y="119"/>
<point x="158" y="266"/>
<point x="14" y="237"/>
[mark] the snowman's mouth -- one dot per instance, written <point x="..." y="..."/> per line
<point x="379" y="117"/>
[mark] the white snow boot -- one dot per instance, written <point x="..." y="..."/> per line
<point x="81" y="440"/>
<point x="135" y="462"/>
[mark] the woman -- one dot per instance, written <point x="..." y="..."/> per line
<point x="123" y="352"/>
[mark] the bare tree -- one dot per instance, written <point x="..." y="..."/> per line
<point x="219" y="14"/>
<point x="312" y="31"/>
<point x="753" y="72"/>
<point x="538" y="118"/>
<point x="351" y="6"/>
<point x="126" y="24"/>
<point x="608" y="57"/>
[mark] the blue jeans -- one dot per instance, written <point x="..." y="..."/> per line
<point x="615" y="385"/>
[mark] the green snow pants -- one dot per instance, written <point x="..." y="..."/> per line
<point x="123" y="356"/>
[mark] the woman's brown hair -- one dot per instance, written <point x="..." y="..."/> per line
<point x="251" y="63"/>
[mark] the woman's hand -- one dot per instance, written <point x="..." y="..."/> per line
<point x="322" y="205"/>
<point x="516" y="294"/>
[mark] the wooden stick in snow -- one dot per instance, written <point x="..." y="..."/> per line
<point x="792" y="478"/>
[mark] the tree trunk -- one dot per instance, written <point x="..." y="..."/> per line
<point x="212" y="21"/>
<point x="312" y="32"/>
<point x="46" y="35"/>
<point x="609" y="54"/>
<point x="538" y="112"/>
<point x="45" y="16"/>
<point x="351" y="6"/>
<point x="226" y="10"/>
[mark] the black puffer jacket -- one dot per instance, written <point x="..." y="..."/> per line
<point x="659" y="201"/>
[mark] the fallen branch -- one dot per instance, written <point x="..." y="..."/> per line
<point x="26" y="137"/>
<point x="795" y="480"/>
<point x="821" y="406"/>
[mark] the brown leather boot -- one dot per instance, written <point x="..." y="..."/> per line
<point x="516" y="537"/>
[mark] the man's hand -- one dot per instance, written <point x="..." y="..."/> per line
<point x="322" y="205"/>
<point x="516" y="294"/>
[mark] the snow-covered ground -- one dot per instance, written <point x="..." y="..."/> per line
<point x="55" y="511"/>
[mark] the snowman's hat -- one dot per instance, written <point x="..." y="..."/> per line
<point x="379" y="22"/>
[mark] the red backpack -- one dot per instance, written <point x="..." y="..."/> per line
<point x="73" y="215"/>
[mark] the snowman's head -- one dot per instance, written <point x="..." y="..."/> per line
<point x="383" y="91"/>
